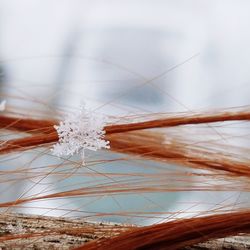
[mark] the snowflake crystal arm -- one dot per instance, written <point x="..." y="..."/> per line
<point x="80" y="131"/>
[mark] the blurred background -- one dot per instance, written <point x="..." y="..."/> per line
<point x="123" y="58"/>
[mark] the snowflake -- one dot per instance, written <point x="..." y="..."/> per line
<point x="80" y="131"/>
<point x="2" y="105"/>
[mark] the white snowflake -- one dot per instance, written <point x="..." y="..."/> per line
<point x="2" y="105"/>
<point x="80" y="131"/>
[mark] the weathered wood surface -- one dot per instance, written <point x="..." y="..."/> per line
<point x="42" y="232"/>
<point x="19" y="231"/>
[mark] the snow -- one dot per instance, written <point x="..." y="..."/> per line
<point x="80" y="131"/>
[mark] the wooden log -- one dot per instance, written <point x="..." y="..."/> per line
<point x="20" y="231"/>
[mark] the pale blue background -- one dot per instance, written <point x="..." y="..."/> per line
<point x="65" y="52"/>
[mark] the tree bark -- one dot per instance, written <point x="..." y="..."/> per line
<point x="19" y="231"/>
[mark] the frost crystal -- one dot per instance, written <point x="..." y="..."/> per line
<point x="80" y="131"/>
<point x="2" y="105"/>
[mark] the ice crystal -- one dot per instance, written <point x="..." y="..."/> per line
<point x="2" y="105"/>
<point x="80" y="131"/>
